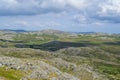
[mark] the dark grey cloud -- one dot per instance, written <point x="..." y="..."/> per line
<point x="25" y="7"/>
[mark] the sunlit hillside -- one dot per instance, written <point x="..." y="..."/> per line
<point x="46" y="55"/>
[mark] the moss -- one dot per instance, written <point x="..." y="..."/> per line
<point x="10" y="74"/>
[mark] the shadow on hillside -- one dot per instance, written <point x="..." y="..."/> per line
<point x="112" y="43"/>
<point x="52" y="46"/>
<point x="55" y="45"/>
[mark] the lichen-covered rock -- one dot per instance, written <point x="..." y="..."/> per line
<point x="38" y="69"/>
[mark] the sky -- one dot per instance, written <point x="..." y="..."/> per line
<point x="65" y="15"/>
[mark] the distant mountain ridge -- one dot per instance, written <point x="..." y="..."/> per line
<point x="51" y="31"/>
<point x="13" y="30"/>
<point x="84" y="32"/>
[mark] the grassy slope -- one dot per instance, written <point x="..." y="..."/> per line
<point x="10" y="74"/>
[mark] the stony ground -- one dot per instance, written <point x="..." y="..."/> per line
<point x="49" y="69"/>
<point x="56" y="55"/>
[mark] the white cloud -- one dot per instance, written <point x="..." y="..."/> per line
<point x="98" y="23"/>
<point x="8" y="3"/>
<point x="22" y="23"/>
<point x="24" y="7"/>
<point x="81" y="19"/>
<point x="64" y="3"/>
<point x="78" y="3"/>
<point x="110" y="7"/>
<point x="105" y="10"/>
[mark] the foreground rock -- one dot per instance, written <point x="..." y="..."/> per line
<point x="35" y="69"/>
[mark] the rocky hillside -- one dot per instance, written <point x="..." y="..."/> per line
<point x="39" y="65"/>
<point x="36" y="56"/>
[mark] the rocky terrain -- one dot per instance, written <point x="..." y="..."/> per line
<point x="57" y="55"/>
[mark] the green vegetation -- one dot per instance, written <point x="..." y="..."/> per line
<point x="112" y="71"/>
<point x="100" y="51"/>
<point x="34" y="38"/>
<point x="11" y="74"/>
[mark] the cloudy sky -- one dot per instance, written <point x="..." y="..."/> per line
<point x="66" y="15"/>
